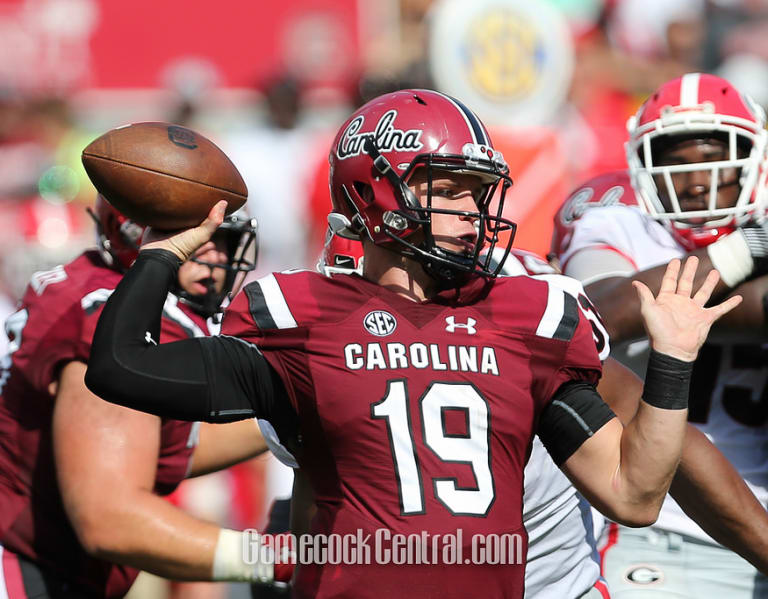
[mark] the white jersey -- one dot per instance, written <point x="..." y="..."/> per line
<point x="732" y="408"/>
<point x="562" y="559"/>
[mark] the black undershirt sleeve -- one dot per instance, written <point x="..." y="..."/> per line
<point x="575" y="413"/>
<point x="213" y="379"/>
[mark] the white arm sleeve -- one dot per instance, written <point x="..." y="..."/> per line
<point x="593" y="264"/>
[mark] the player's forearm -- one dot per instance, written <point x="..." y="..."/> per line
<point x="714" y="495"/>
<point x="652" y="442"/>
<point x="616" y="299"/>
<point x="651" y="445"/>
<point x="625" y="471"/>
<point x="146" y="532"/>
<point x="213" y="379"/>
<point x="224" y="445"/>
<point x="127" y="366"/>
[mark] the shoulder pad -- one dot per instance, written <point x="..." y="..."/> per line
<point x="298" y="298"/>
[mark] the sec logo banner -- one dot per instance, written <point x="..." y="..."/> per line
<point x="510" y="60"/>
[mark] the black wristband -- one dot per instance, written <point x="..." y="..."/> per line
<point x="158" y="255"/>
<point x="667" y="382"/>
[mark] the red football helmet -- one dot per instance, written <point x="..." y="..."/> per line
<point x="609" y="189"/>
<point x="378" y="149"/>
<point x="706" y="105"/>
<point x="340" y="255"/>
<point x="118" y="237"/>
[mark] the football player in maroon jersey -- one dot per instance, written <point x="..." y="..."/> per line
<point x="80" y="479"/>
<point x="413" y="392"/>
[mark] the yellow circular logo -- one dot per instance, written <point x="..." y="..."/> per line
<point x="504" y="55"/>
<point x="510" y="60"/>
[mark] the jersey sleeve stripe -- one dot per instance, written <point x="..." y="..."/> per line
<point x="561" y="316"/>
<point x="570" y="320"/>
<point x="553" y="313"/>
<point x="258" y="307"/>
<point x="268" y="306"/>
<point x="175" y="314"/>
<point x="94" y="300"/>
<point x="600" y="246"/>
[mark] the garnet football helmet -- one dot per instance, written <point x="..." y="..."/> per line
<point x="241" y="247"/>
<point x="340" y="255"/>
<point x="380" y="147"/>
<point x="118" y="237"/>
<point x="699" y="105"/>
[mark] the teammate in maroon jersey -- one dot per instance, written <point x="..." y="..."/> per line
<point x="413" y="392"/>
<point x="111" y="463"/>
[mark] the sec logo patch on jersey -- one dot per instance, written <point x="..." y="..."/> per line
<point x="380" y="323"/>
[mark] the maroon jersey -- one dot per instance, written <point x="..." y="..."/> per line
<point x="415" y="417"/>
<point x="54" y="325"/>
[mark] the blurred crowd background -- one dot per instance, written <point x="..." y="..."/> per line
<point x="270" y="82"/>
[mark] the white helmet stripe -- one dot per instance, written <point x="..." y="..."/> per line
<point x="689" y="90"/>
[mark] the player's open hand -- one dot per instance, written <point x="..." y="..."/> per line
<point x="184" y="242"/>
<point x="678" y="324"/>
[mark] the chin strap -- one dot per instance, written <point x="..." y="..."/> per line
<point x="382" y="165"/>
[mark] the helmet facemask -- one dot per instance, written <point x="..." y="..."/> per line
<point x="721" y="114"/>
<point x="241" y="248"/>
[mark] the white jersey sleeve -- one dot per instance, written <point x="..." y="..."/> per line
<point x="623" y="231"/>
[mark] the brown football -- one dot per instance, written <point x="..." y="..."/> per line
<point x="162" y="175"/>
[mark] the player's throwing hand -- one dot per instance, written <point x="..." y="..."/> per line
<point x="184" y="243"/>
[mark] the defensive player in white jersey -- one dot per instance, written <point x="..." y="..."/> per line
<point x="695" y="186"/>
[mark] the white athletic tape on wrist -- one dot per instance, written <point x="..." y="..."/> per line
<point x="229" y="561"/>
<point x="731" y="257"/>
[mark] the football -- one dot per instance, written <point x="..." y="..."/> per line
<point x="162" y="175"/>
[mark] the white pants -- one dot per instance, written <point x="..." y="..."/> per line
<point x="649" y="563"/>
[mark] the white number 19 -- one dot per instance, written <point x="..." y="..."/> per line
<point x="472" y="448"/>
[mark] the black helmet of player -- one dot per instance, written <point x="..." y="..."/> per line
<point x="209" y="277"/>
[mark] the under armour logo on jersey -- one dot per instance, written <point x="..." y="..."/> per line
<point x="452" y="325"/>
<point x="148" y="339"/>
